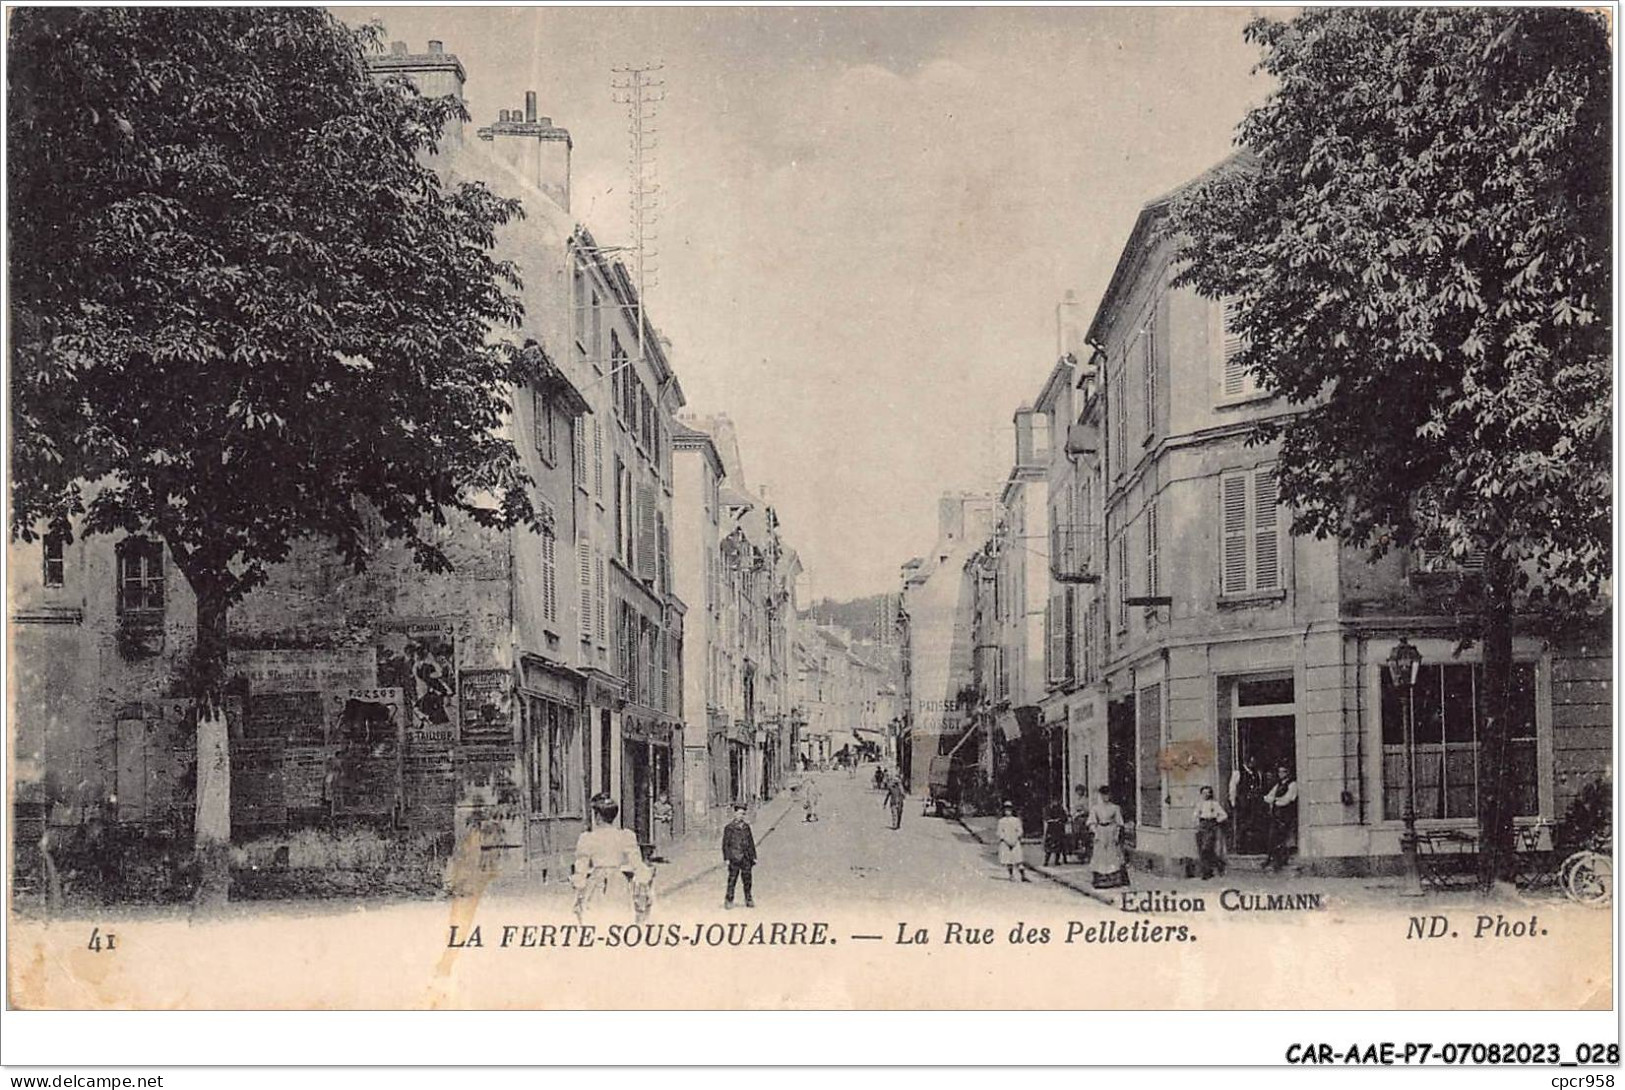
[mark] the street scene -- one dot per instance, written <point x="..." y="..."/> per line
<point x="770" y="465"/>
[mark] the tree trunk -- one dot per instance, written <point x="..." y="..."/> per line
<point x="212" y="823"/>
<point x="1494" y="754"/>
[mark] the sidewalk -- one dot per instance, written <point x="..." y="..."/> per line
<point x="1374" y="892"/>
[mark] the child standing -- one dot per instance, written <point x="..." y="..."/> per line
<point x="739" y="849"/>
<point x="1208" y="816"/>
<point x="1009" y="835"/>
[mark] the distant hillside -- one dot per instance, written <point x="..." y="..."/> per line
<point x="870" y="618"/>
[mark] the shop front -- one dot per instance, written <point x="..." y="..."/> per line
<point x="651" y="777"/>
<point x="554" y="753"/>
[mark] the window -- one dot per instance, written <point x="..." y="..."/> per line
<point x="600" y="591"/>
<point x="552" y="758"/>
<point x="1119" y="407"/>
<point x="596" y="346"/>
<point x="1447" y="709"/>
<point x="584" y="569"/>
<point x="1148" y="372"/>
<point x="1054" y="644"/>
<point x="646" y="408"/>
<point x="583" y="312"/>
<point x="1235" y="380"/>
<point x="140" y="576"/>
<point x="578" y="430"/>
<point x="663" y="548"/>
<point x="1122" y="581"/>
<point x="550" y="573"/>
<point x="1250" y="559"/>
<point x="1150" y="721"/>
<point x="55" y="548"/>
<point x="598" y="458"/>
<point x="624" y="502"/>
<point x="618" y="377"/>
<point x="1153" y="565"/>
<point x="542" y="419"/>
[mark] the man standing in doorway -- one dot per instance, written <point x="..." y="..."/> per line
<point x="1247" y="787"/>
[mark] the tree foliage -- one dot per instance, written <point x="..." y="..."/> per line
<point x="245" y="309"/>
<point x="1417" y="235"/>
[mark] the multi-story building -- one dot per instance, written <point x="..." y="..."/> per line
<point x="485" y="705"/>
<point x="936" y="629"/>
<point x="1215" y="634"/>
<point x="749" y="578"/>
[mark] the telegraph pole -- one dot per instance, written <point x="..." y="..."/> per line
<point x="639" y="88"/>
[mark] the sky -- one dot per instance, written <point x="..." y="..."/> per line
<point x="869" y="216"/>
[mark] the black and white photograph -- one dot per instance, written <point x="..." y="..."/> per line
<point x="626" y="508"/>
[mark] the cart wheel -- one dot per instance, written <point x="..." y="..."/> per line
<point x="1589" y="879"/>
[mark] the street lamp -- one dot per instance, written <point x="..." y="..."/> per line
<point x="1403" y="665"/>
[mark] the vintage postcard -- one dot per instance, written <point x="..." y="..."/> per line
<point x="812" y="508"/>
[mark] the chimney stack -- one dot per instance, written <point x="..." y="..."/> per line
<point x="536" y="148"/>
<point x="435" y="73"/>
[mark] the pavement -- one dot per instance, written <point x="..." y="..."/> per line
<point x="851" y="860"/>
<point x="1383" y="893"/>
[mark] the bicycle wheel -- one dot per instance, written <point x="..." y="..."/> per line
<point x="1589" y="878"/>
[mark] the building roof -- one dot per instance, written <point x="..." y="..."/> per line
<point x="1141" y="237"/>
<point x="684" y="437"/>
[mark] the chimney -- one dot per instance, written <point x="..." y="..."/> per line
<point x="536" y="148"/>
<point x="1069" y="328"/>
<point x="434" y="73"/>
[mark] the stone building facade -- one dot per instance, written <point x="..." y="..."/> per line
<point x="480" y="709"/>
<point x="1203" y="631"/>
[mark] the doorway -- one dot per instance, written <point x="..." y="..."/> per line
<point x="636" y="784"/>
<point x="1120" y="777"/>
<point x="1258" y="719"/>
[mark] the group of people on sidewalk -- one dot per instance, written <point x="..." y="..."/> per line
<point x="1265" y="810"/>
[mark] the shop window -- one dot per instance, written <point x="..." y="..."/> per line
<point x="1447" y="708"/>
<point x="552" y="758"/>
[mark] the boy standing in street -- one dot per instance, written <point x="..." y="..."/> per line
<point x="739" y="849"/>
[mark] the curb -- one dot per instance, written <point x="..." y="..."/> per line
<point x="684" y="883"/>
<point x="1088" y="891"/>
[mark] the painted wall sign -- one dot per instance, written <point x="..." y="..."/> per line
<point x="487" y="715"/>
<point x="419" y="658"/>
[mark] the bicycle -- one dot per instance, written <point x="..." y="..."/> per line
<point x="1587" y="876"/>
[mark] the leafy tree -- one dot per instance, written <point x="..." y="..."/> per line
<point x="1416" y="234"/>
<point x="245" y="309"/>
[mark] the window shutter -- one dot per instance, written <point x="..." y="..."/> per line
<point x="646" y="532"/>
<point x="1148" y="371"/>
<point x="597" y="456"/>
<point x="1266" y="547"/>
<point x="1153" y="569"/>
<point x="601" y="596"/>
<point x="1235" y="378"/>
<point x="1119" y="397"/>
<point x="1233" y="533"/>
<point x="584" y="571"/>
<point x="579" y="431"/>
<point x="550" y="581"/>
<point x="1122" y="581"/>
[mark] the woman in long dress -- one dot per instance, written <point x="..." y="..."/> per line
<point x="1106" y="825"/>
<point x="610" y="877"/>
